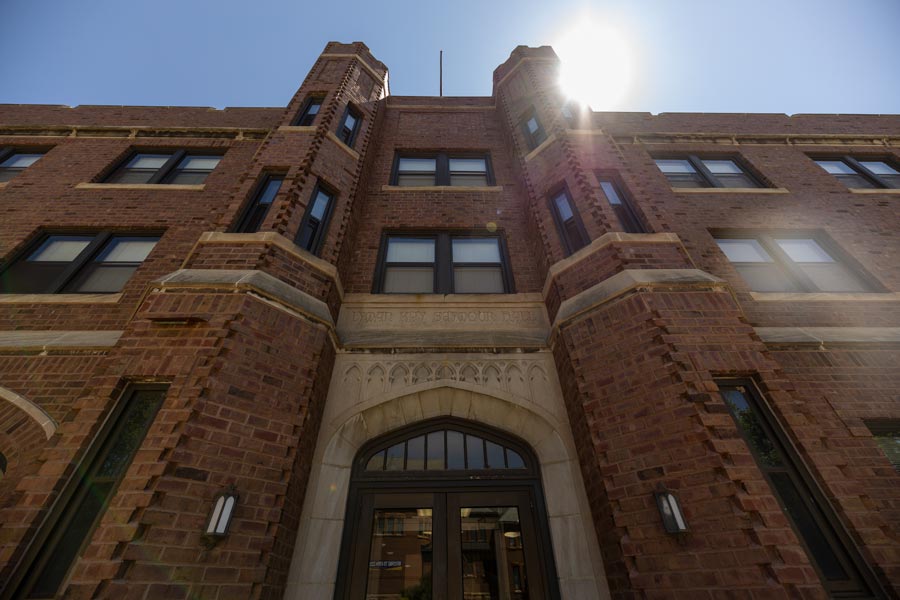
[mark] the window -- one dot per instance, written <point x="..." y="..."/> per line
<point x="789" y="262"/>
<point x="315" y="221"/>
<point x="12" y="163"/>
<point x="571" y="230"/>
<point x="534" y="131"/>
<point x="256" y="211"/>
<point x="349" y="126"/>
<point x="2" y="466"/>
<point x="842" y="572"/>
<point x="90" y="491"/>
<point x="695" y="172"/>
<point x="172" y="168"/>
<point x="310" y="110"/>
<point x="442" y="169"/>
<point x="443" y="263"/>
<point x="620" y="205"/>
<point x="861" y="174"/>
<point x="94" y="263"/>
<point x="887" y="436"/>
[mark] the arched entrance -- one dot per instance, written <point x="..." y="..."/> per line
<point x="446" y="509"/>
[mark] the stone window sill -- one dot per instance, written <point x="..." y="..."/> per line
<point x="730" y="190"/>
<point x="874" y="191"/>
<point x="442" y="188"/>
<point x="139" y="186"/>
<point x="824" y="297"/>
<point x="60" y="298"/>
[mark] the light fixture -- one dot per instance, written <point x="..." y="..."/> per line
<point x="220" y="517"/>
<point x="512" y="534"/>
<point x="670" y="511"/>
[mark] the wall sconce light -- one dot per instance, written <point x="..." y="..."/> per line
<point x="670" y="511"/>
<point x="220" y="517"/>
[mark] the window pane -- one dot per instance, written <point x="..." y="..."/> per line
<point x="801" y="511"/>
<point x="495" y="456"/>
<point x="876" y="166"/>
<point x="766" y="277"/>
<point x="477" y="280"/>
<point x="836" y="167"/>
<point x="435" y="451"/>
<point x="532" y="125"/>
<point x="132" y="177"/>
<point x="415" y="454"/>
<point x="834" y="277"/>
<point x="476" y="250"/>
<point x="475" y="452"/>
<point x="313" y="108"/>
<point x="127" y="249"/>
<point x="456" y="457"/>
<point x="320" y="205"/>
<point x="855" y="181"/>
<point x="400" y="554"/>
<point x="408" y="280"/>
<point x="743" y="250"/>
<point x="764" y="448"/>
<point x="513" y="460"/>
<point x="801" y="251"/>
<point x="416" y="180"/>
<point x="675" y="166"/>
<point x="267" y="196"/>
<point x="98" y="278"/>
<point x="723" y="167"/>
<point x="350" y="121"/>
<point x="59" y="248"/>
<point x="741" y="180"/>
<point x="20" y="161"/>
<point x="394" y="460"/>
<point x="471" y="180"/>
<point x="405" y="249"/>
<point x="888" y="439"/>
<point x="376" y="463"/>
<point x="609" y="190"/>
<point x="200" y="163"/>
<point x="468" y="164"/>
<point x="148" y="161"/>
<point x="187" y="177"/>
<point x="492" y="558"/>
<point x="417" y="164"/>
<point x="563" y="206"/>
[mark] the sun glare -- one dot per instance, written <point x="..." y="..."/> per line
<point x="595" y="65"/>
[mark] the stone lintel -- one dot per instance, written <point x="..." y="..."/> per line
<point x="443" y="321"/>
<point x="235" y="280"/>
<point x="828" y="335"/>
<point x="276" y="239"/>
<point x="631" y="279"/>
<point x="611" y="237"/>
<point x="57" y="340"/>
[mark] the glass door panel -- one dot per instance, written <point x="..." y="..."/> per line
<point x="401" y="554"/>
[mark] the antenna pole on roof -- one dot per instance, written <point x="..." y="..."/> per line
<point x="441" y="74"/>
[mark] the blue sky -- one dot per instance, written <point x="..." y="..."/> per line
<point x="792" y="56"/>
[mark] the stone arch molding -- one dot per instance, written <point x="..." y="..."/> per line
<point x="35" y="412"/>
<point x="317" y="552"/>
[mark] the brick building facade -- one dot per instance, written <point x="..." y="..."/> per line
<point x="460" y="347"/>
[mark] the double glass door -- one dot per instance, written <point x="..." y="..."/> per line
<point x="446" y="545"/>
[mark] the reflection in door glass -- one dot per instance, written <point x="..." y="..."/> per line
<point x="401" y="555"/>
<point x="493" y="560"/>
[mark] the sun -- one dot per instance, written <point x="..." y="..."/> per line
<point x="596" y="65"/>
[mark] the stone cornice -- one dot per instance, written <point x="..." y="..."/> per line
<point x="820" y="336"/>
<point x="125" y="131"/>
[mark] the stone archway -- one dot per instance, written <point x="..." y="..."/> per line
<point x="349" y="423"/>
<point x="24" y="430"/>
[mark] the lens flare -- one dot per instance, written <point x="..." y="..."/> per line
<point x="596" y="65"/>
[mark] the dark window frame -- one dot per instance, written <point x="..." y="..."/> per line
<point x="796" y="468"/>
<point x="318" y="239"/>
<point x="246" y="218"/>
<point x="8" y="151"/>
<point x="304" y="115"/>
<point x="165" y="172"/>
<point x="63" y="510"/>
<point x="710" y="179"/>
<point x="855" y="163"/>
<point x="632" y="221"/>
<point x="442" y="165"/>
<point x="443" y="258"/>
<point x="569" y="246"/>
<point x="539" y="136"/>
<point x="348" y="137"/>
<point x="78" y="266"/>
<point x="766" y="239"/>
<point x="883" y="428"/>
